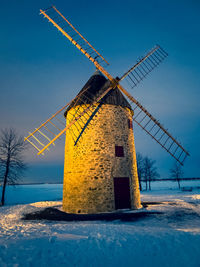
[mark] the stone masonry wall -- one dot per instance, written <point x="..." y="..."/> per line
<point x="91" y="165"/>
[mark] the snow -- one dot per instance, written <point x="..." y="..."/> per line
<point x="171" y="238"/>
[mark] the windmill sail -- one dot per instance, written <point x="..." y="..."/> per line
<point x="51" y="127"/>
<point x="44" y="136"/>
<point x="47" y="130"/>
<point x="152" y="127"/>
<point x="144" y="66"/>
<point x="68" y="30"/>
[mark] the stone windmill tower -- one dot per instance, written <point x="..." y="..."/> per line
<point x="100" y="173"/>
<point x="105" y="177"/>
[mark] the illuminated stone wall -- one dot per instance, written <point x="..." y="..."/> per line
<point x="91" y="165"/>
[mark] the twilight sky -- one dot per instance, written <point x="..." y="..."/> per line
<point x="40" y="70"/>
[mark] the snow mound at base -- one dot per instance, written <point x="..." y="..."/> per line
<point x="43" y="204"/>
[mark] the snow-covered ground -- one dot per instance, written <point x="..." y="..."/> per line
<point x="171" y="238"/>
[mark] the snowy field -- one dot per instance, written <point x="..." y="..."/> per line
<point x="171" y="238"/>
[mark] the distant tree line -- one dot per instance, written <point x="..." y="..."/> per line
<point x="147" y="171"/>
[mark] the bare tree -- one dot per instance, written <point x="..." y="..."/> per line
<point x="177" y="173"/>
<point x="11" y="158"/>
<point x="150" y="171"/>
<point x="140" y="168"/>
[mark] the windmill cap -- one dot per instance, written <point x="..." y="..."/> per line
<point x="94" y="87"/>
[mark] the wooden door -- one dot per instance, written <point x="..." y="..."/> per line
<point x="122" y="193"/>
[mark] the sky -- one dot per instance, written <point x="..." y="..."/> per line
<point x="40" y="70"/>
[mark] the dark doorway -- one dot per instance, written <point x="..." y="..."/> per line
<point x="122" y="193"/>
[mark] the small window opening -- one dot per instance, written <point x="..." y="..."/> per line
<point x="130" y="124"/>
<point x="119" y="151"/>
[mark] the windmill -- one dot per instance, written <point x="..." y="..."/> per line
<point x="100" y="170"/>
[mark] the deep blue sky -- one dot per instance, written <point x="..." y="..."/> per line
<point x="40" y="70"/>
